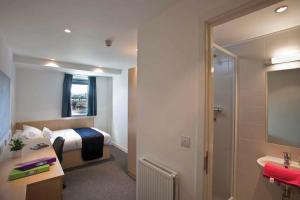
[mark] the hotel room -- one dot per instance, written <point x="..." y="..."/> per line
<point x="149" y="100"/>
<point x="64" y="94"/>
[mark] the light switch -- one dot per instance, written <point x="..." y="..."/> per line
<point x="185" y="141"/>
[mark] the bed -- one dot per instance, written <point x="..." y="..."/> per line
<point x="67" y="128"/>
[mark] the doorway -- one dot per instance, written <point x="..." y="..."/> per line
<point x="221" y="116"/>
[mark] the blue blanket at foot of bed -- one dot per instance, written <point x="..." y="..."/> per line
<point x="92" y="143"/>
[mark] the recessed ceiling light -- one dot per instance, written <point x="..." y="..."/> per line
<point x="52" y="64"/>
<point x="67" y="30"/>
<point x="98" y="70"/>
<point x="281" y="9"/>
<point x="52" y="59"/>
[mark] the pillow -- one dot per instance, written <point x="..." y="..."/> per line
<point x="31" y="132"/>
<point x="18" y="134"/>
<point x="47" y="133"/>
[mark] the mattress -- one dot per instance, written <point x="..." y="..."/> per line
<point x="73" y="139"/>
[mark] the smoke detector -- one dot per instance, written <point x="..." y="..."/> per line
<point x="108" y="43"/>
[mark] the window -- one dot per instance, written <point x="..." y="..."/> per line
<point x="79" y="96"/>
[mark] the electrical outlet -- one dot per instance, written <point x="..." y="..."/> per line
<point x="185" y="141"/>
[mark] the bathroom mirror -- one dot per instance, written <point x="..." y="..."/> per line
<point x="284" y="107"/>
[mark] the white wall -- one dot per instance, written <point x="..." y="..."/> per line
<point x="171" y="88"/>
<point x="39" y="96"/>
<point x="7" y="66"/>
<point x="103" y="120"/>
<point x="120" y="110"/>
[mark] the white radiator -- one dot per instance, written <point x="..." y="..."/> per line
<point x="156" y="182"/>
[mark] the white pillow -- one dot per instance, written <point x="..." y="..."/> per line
<point x="18" y="134"/>
<point x="47" y="133"/>
<point x="30" y="132"/>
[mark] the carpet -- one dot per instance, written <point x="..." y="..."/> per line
<point x="104" y="180"/>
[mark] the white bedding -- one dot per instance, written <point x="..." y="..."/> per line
<point x="73" y="139"/>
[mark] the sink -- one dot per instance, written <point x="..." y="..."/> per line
<point x="278" y="161"/>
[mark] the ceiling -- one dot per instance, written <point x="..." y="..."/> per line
<point x="35" y="28"/>
<point x="257" y="24"/>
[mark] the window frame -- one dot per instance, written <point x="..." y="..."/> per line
<point x="80" y="81"/>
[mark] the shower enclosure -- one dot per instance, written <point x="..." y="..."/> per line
<point x="224" y="86"/>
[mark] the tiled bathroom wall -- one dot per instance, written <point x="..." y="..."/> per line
<point x="252" y="136"/>
<point x="223" y="125"/>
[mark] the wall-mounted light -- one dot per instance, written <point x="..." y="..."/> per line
<point x="281" y="9"/>
<point x="286" y="58"/>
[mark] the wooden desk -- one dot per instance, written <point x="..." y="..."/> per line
<point x="43" y="186"/>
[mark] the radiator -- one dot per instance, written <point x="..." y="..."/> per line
<point x="156" y="182"/>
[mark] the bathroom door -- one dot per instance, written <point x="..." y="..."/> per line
<point x="224" y="127"/>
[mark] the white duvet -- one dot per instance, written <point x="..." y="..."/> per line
<point x="73" y="139"/>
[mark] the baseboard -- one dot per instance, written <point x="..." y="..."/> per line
<point x="120" y="147"/>
<point x="131" y="175"/>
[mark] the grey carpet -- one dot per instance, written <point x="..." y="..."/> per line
<point x="106" y="180"/>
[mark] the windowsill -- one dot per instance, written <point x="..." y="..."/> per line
<point x="78" y="117"/>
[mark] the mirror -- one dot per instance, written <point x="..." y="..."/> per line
<point x="284" y="107"/>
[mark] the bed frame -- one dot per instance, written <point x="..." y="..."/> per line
<point x="70" y="158"/>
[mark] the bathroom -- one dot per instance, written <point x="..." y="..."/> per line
<point x="256" y="79"/>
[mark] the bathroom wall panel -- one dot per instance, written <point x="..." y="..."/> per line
<point x="252" y="136"/>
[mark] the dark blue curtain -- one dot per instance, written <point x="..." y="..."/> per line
<point x="66" y="98"/>
<point x="92" y="100"/>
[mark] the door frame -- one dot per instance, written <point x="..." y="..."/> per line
<point x="240" y="11"/>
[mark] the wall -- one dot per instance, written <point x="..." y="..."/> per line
<point x="120" y="111"/>
<point x="252" y="142"/>
<point x="7" y="66"/>
<point x="223" y="125"/>
<point x="39" y="96"/>
<point x="171" y="89"/>
<point x="103" y="120"/>
<point x="132" y="120"/>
